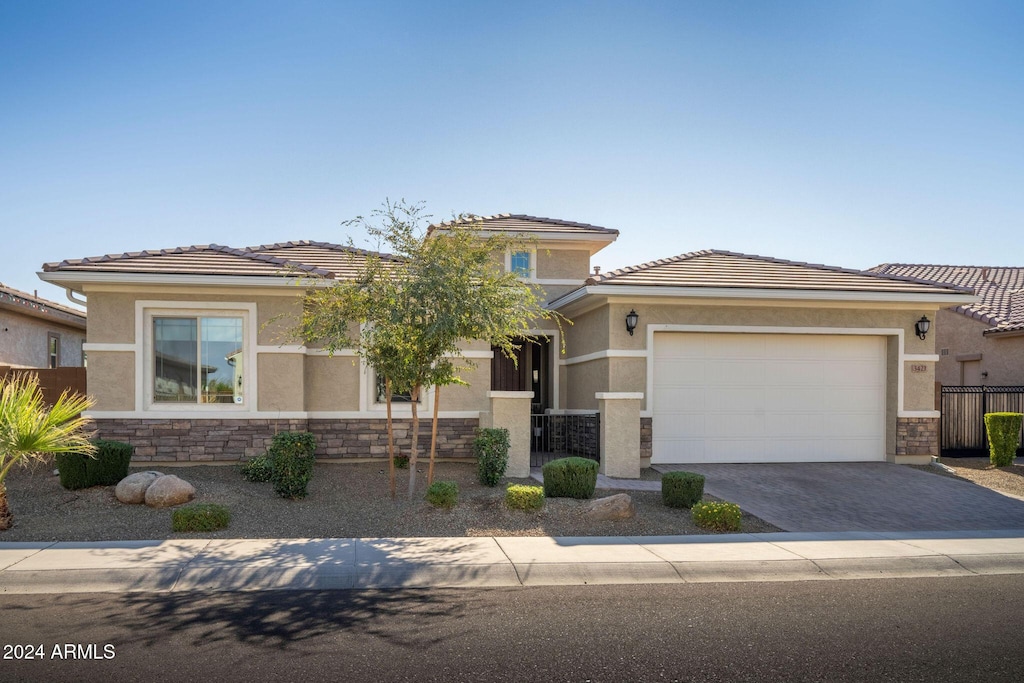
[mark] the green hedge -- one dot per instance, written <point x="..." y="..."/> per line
<point x="717" y="516"/>
<point x="200" y="517"/>
<point x="570" y="478"/>
<point x="443" y="494"/>
<point x="1003" y="431"/>
<point x="682" y="489"/>
<point x="520" y="497"/>
<point x="106" y="467"/>
<point x="292" y="456"/>
<point x="491" y="450"/>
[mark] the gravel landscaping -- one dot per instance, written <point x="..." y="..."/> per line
<point x="345" y="500"/>
<point x="981" y="471"/>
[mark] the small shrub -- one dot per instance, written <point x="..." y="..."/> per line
<point x="570" y="478"/>
<point x="717" y="516"/>
<point x="520" y="497"/>
<point x="200" y="517"/>
<point x="292" y="456"/>
<point x="1003" y="431"/>
<point x="258" y="469"/>
<point x="401" y="462"/>
<point x="491" y="450"/>
<point x="443" y="494"/>
<point x="681" y="489"/>
<point x="106" y="467"/>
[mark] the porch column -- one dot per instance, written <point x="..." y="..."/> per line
<point x="620" y="433"/>
<point x="511" y="410"/>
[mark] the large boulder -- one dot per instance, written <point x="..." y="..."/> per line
<point x="132" y="489"/>
<point x="619" y="506"/>
<point x="168" y="491"/>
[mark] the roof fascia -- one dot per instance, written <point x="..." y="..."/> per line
<point x="72" y="278"/>
<point x="937" y="298"/>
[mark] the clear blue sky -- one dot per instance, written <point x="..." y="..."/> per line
<point x="845" y="133"/>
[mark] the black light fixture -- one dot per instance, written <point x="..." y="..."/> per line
<point x="631" y="320"/>
<point x="922" y="326"/>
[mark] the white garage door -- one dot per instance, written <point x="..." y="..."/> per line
<point x="768" y="398"/>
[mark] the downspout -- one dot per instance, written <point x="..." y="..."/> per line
<point x="70" y="294"/>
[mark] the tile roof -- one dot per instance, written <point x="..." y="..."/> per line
<point x="727" y="269"/>
<point x="320" y="259"/>
<point x="517" y="222"/>
<point x="1001" y="290"/>
<point x="35" y="305"/>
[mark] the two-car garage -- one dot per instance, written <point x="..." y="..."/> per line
<point x="752" y="397"/>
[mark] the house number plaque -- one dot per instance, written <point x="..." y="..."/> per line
<point x="918" y="367"/>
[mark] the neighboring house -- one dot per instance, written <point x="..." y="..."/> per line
<point x="37" y="333"/>
<point x="732" y="358"/>
<point x="981" y="342"/>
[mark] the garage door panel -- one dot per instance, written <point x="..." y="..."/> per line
<point x="768" y="397"/>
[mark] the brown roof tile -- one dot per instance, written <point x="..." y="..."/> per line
<point x="727" y="269"/>
<point x="517" y="222"/>
<point x="1001" y="290"/>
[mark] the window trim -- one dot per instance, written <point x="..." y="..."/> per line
<point x="532" y="276"/>
<point x="146" y="311"/>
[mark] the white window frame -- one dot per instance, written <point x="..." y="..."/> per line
<point x="532" y="252"/>
<point x="146" y="311"/>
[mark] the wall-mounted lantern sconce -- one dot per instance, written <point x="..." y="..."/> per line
<point x="922" y="326"/>
<point x="631" y="321"/>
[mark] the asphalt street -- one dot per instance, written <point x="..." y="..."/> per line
<point x="924" y="629"/>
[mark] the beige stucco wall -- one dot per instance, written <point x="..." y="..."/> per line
<point x="112" y="318"/>
<point x="281" y="381"/>
<point x="111" y="380"/>
<point x="588" y="333"/>
<point x="1001" y="357"/>
<point x="25" y="341"/>
<point x="472" y="397"/>
<point x="331" y="383"/>
<point x="918" y="387"/>
<point x="277" y="318"/>
<point x="561" y="264"/>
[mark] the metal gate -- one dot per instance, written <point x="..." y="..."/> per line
<point x="963" y="417"/>
<point x="559" y="436"/>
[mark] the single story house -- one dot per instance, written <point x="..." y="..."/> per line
<point x="980" y="342"/>
<point x="711" y="356"/>
<point x="38" y="333"/>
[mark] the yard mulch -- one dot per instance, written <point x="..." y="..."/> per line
<point x="345" y="501"/>
<point x="981" y="471"/>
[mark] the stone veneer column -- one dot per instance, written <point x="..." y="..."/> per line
<point x="511" y="410"/>
<point x="917" y="440"/>
<point x="620" y="433"/>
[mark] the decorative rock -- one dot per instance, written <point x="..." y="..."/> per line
<point x="132" y="489"/>
<point x="168" y="491"/>
<point x="619" y="506"/>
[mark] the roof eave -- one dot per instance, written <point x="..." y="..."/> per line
<point x="938" y="298"/>
<point x="73" y="278"/>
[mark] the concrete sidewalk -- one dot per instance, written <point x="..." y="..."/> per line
<point x="345" y="563"/>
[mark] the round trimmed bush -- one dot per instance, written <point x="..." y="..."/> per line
<point x="200" y="517"/>
<point x="721" y="516"/>
<point x="443" y="494"/>
<point x="520" y="497"/>
<point x="570" y="478"/>
<point x="1003" y="430"/>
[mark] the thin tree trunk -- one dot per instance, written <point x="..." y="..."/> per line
<point x="6" y="518"/>
<point x="392" y="484"/>
<point x="433" y="435"/>
<point x="415" y="395"/>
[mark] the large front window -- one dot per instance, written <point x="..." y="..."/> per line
<point x="197" y="360"/>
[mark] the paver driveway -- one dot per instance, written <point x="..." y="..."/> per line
<point x="862" y="496"/>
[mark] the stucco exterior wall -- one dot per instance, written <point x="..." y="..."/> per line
<point x="111" y="380"/>
<point x="24" y="341"/>
<point x="281" y="381"/>
<point x="331" y="383"/>
<point x="588" y="333"/>
<point x="472" y="397"/>
<point x="561" y="264"/>
<point x="1001" y="357"/>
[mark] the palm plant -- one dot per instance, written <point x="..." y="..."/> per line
<point x="29" y="431"/>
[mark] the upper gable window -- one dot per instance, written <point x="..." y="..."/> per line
<point x="520" y="263"/>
